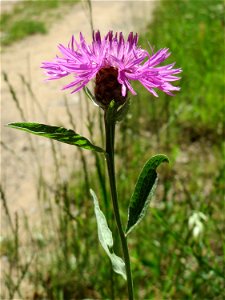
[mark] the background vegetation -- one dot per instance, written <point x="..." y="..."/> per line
<point x="31" y="17"/>
<point x="170" y="260"/>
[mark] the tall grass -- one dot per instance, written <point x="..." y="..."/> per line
<point x="63" y="258"/>
<point x="192" y="30"/>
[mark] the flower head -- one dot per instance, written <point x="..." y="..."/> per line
<point x="115" y="62"/>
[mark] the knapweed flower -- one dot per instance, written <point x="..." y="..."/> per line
<point x="115" y="63"/>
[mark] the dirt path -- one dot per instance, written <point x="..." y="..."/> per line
<point x="19" y="171"/>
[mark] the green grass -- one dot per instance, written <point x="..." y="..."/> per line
<point x="30" y="17"/>
<point x="192" y="30"/>
<point x="23" y="28"/>
<point x="168" y="262"/>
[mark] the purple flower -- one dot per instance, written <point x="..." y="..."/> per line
<point x="115" y="58"/>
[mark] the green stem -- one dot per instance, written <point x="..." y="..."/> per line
<point x="110" y="133"/>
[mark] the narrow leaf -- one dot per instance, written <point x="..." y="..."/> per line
<point x="60" y="134"/>
<point x="121" y="113"/>
<point x="111" y="111"/>
<point x="106" y="239"/>
<point x="143" y="191"/>
<point x="89" y="94"/>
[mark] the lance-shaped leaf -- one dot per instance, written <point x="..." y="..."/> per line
<point x="60" y="134"/>
<point x="106" y="239"/>
<point x="111" y="111"/>
<point x="143" y="191"/>
<point x="121" y="113"/>
<point x="89" y="94"/>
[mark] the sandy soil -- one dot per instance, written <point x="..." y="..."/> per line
<point x="7" y="6"/>
<point x="19" y="165"/>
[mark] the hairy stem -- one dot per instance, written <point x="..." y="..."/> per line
<point x="110" y="133"/>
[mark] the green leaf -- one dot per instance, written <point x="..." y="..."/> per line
<point x="116" y="112"/>
<point x="106" y="239"/>
<point x="121" y="113"/>
<point x="89" y="94"/>
<point x="60" y="134"/>
<point x="111" y="111"/>
<point x="143" y="191"/>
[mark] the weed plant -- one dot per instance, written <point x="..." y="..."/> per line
<point x="179" y="245"/>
